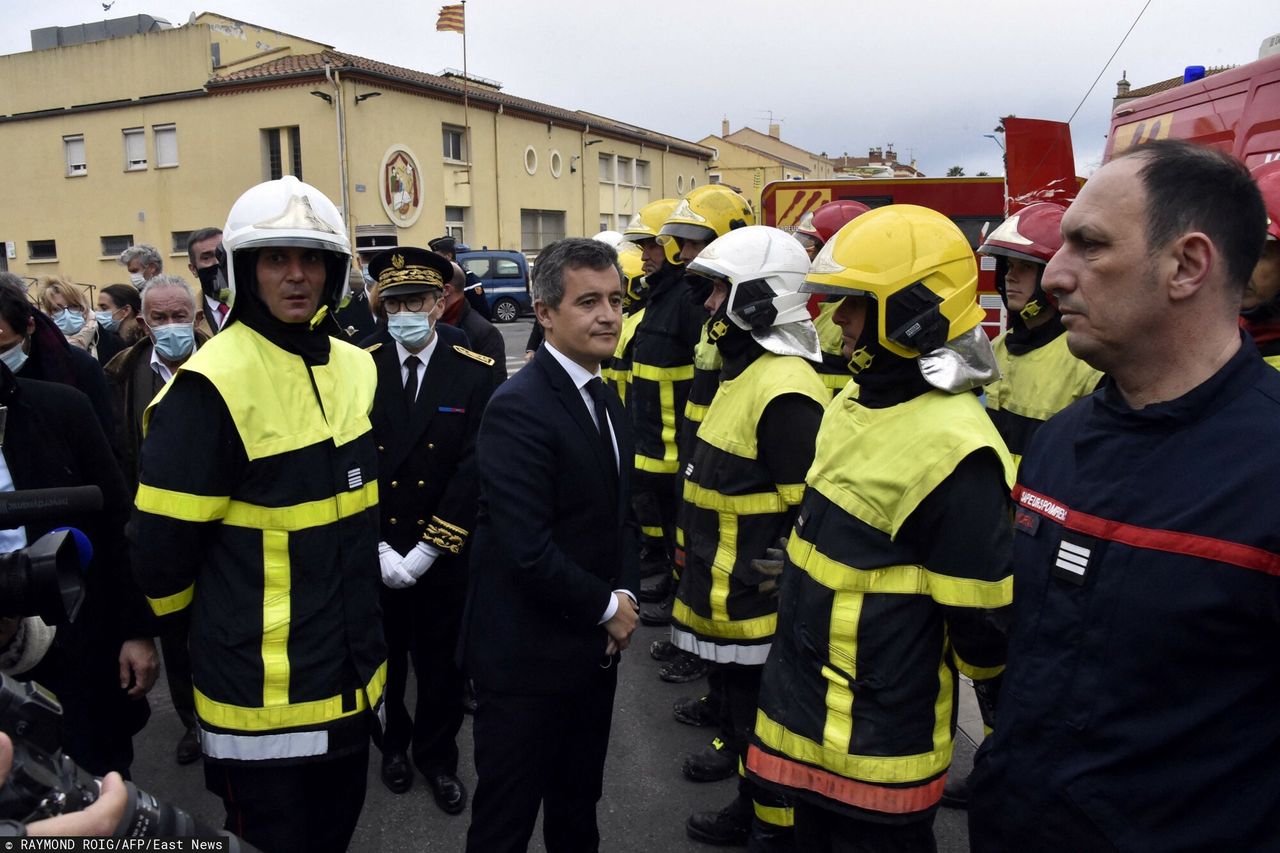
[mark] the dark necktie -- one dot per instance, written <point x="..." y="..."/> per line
<point x="411" y="381"/>
<point x="596" y="389"/>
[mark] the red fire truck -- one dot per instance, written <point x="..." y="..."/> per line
<point x="1237" y="111"/>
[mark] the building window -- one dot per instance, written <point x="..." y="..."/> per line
<point x="530" y="160"/>
<point x="454" y="139"/>
<point x="624" y="171"/>
<point x="135" y="149"/>
<point x="642" y="173"/>
<point x="42" y="250"/>
<point x="606" y="168"/>
<point x="538" y="228"/>
<point x="114" y="245"/>
<point x="73" y="150"/>
<point x="295" y="149"/>
<point x="274" y="156"/>
<point x="693" y="182"/>
<point x="713" y="178"/>
<point x="180" y="240"/>
<point x="166" y="136"/>
<point x="455" y="219"/>
<point x="604" y="223"/>
<point x="679" y="184"/>
<point x="557" y="164"/>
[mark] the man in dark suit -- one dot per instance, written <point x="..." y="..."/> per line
<point x="431" y="393"/>
<point x="456" y="311"/>
<point x="554" y="567"/>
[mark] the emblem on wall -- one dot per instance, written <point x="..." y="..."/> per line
<point x="400" y="186"/>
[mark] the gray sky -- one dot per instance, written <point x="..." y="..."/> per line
<point x="930" y="77"/>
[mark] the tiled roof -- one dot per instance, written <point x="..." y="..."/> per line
<point x="312" y="64"/>
<point x="750" y="132"/>
<point x="1166" y="85"/>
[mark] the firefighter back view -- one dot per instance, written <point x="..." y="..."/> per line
<point x="742" y="483"/>
<point x="269" y="535"/>
<point x="898" y="561"/>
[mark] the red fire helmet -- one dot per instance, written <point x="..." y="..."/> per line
<point x="1032" y="234"/>
<point x="823" y="223"/>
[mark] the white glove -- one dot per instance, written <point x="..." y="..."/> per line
<point x="421" y="558"/>
<point x="394" y="575"/>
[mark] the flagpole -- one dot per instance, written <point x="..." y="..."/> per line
<point x="466" y="111"/>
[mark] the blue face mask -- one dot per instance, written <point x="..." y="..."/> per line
<point x="107" y="320"/>
<point x="14" y="357"/>
<point x="69" y="322"/>
<point x="413" y="329"/>
<point x="175" y="341"/>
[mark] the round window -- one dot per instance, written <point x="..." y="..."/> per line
<point x="692" y="182"/>
<point x="680" y="184"/>
<point x="556" y="163"/>
<point x="530" y="160"/>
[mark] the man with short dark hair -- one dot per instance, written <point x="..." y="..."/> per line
<point x="205" y="261"/>
<point x="1138" y="710"/>
<point x="554" y="570"/>
<point x="473" y="289"/>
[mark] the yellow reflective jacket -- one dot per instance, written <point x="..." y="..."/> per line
<point x="257" y="509"/>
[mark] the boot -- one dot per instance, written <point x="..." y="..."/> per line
<point x="728" y="827"/>
<point x="715" y="762"/>
<point x="694" y="711"/>
<point x="683" y="668"/>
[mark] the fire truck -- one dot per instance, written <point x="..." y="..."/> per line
<point x="1237" y="111"/>
<point x="1040" y="166"/>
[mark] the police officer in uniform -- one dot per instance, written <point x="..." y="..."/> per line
<point x="269" y="535"/>
<point x="898" y="564"/>
<point x="742" y="484"/>
<point x="432" y="391"/>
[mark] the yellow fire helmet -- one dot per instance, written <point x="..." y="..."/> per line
<point x="916" y="264"/>
<point x="646" y="224"/>
<point x="706" y="213"/>
<point x="632" y="272"/>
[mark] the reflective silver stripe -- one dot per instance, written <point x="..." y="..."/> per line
<point x="747" y="655"/>
<point x="263" y="747"/>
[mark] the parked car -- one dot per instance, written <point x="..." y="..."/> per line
<point x="506" y="281"/>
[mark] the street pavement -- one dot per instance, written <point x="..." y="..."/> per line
<point x="646" y="800"/>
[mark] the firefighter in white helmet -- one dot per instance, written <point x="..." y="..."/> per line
<point x="742" y="483"/>
<point x="267" y="538"/>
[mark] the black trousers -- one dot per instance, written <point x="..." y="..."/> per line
<point x="545" y="750"/>
<point x="422" y="625"/>
<point x="307" y="808"/>
<point x="654" y="503"/>
<point x="820" y="830"/>
<point x="177" y="670"/>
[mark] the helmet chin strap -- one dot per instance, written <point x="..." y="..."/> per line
<point x="318" y="317"/>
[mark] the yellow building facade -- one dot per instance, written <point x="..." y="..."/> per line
<point x="146" y="138"/>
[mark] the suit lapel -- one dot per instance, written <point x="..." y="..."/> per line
<point x="437" y="380"/>
<point x="390" y="414"/>
<point x="571" y="399"/>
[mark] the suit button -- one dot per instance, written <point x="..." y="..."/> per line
<point x="381" y="449"/>
<point x="391" y="520"/>
<point x="430" y="446"/>
<point x="421" y="484"/>
<point x="393" y="484"/>
<point x="421" y="523"/>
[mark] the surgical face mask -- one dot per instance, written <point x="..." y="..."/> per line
<point x="138" y="279"/>
<point x="175" y="341"/>
<point x="107" y="320"/>
<point x="69" y="322"/>
<point x="411" y="328"/>
<point x="14" y="357"/>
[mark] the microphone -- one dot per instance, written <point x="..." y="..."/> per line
<point x="30" y="505"/>
<point x="84" y="548"/>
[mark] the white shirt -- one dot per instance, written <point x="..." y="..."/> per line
<point x="580" y="376"/>
<point x="423" y="357"/>
<point x="212" y="314"/>
<point x="161" y="369"/>
<point x="10" y="540"/>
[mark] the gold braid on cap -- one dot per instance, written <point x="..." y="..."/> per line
<point x="410" y="275"/>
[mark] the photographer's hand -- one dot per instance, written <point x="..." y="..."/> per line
<point x="100" y="819"/>
<point x="139" y="666"/>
